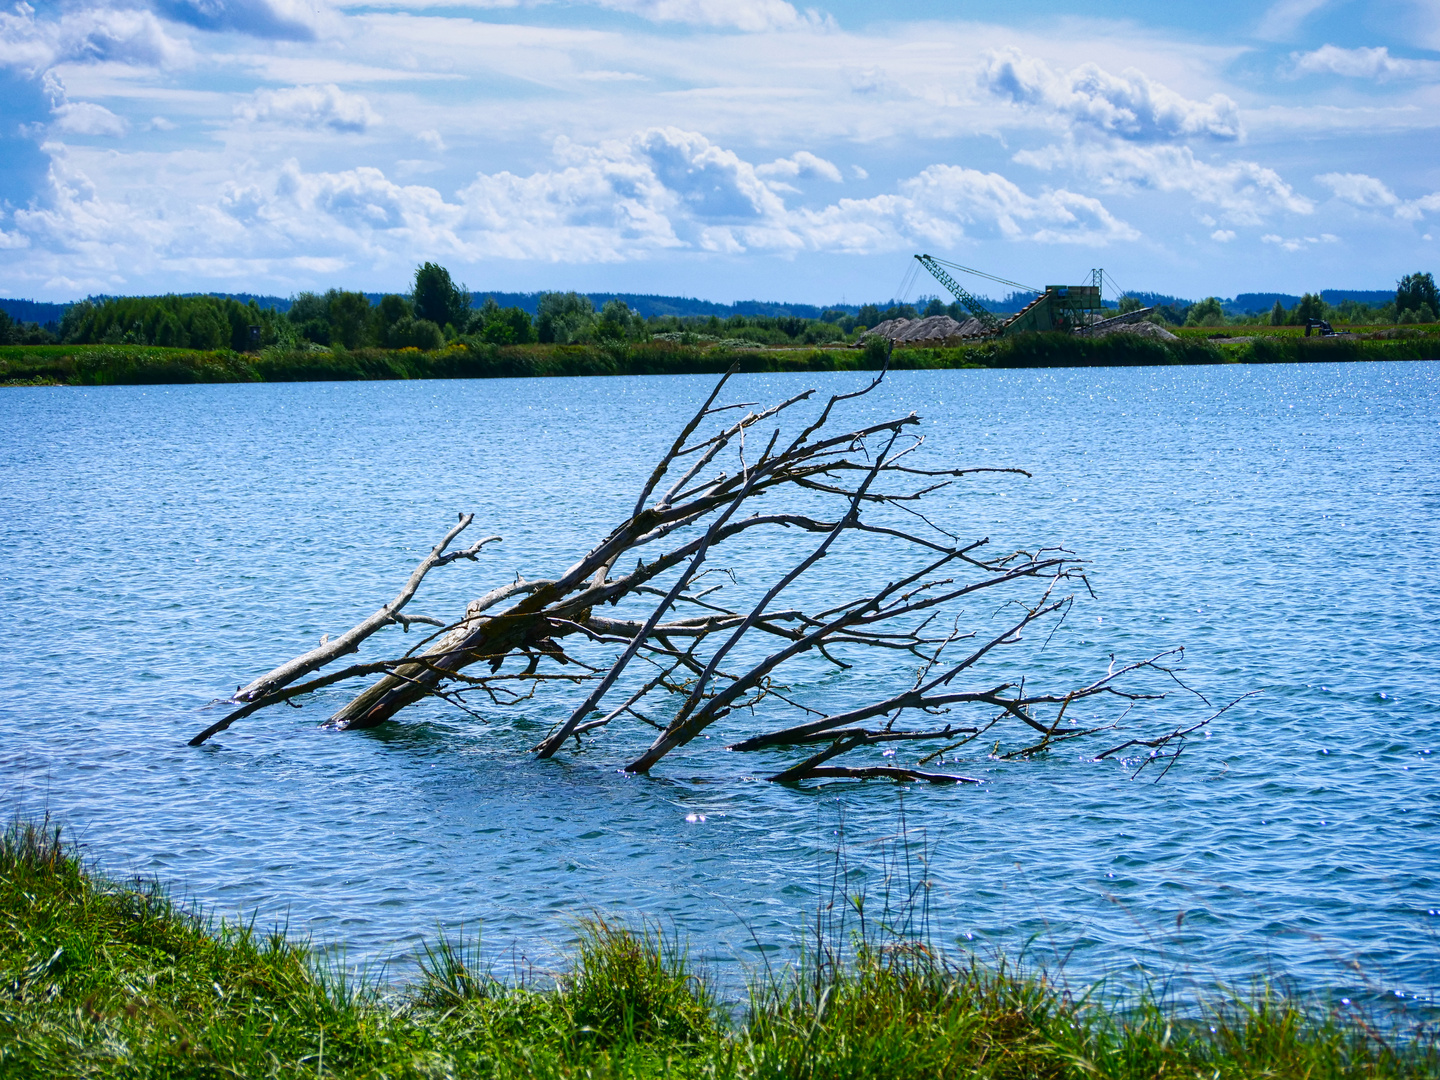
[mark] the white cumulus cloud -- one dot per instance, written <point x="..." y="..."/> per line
<point x="1130" y="105"/>
<point x="948" y="202"/>
<point x="1370" y="193"/>
<point x="658" y="190"/>
<point x="87" y="35"/>
<point x="86" y="230"/>
<point x="1359" y="189"/>
<point x="79" y="117"/>
<point x="1361" y="63"/>
<point x="803" y="166"/>
<point x="1243" y="191"/>
<point x="87" y="118"/>
<point x="320" y="106"/>
<point x="1415" y="209"/>
<point x="750" y="15"/>
<point x="1298" y="243"/>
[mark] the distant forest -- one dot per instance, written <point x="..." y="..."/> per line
<point x="647" y="305"/>
<point x="437" y="311"/>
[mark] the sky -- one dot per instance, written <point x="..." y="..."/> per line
<point x="724" y="149"/>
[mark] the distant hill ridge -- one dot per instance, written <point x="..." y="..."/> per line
<point x="1245" y="303"/>
<point x="647" y="304"/>
<point x="35" y="311"/>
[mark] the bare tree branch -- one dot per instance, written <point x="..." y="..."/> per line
<point x="726" y="655"/>
<point x="349" y="641"/>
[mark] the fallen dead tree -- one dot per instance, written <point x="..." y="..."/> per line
<point x="659" y="646"/>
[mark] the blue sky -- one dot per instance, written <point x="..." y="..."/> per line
<point x="727" y="149"/>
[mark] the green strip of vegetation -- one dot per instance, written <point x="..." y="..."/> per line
<point x="1127" y="350"/>
<point x="111" y="365"/>
<point x="106" y="365"/>
<point x="99" y="979"/>
<point x="438" y="312"/>
<point x="435" y="332"/>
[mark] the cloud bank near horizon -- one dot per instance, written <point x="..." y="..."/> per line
<point x="269" y="145"/>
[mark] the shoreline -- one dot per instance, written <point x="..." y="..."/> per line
<point x="106" y="365"/>
<point x="103" y="979"/>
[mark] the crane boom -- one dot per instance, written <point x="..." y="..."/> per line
<point x="979" y="310"/>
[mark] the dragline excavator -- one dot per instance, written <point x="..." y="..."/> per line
<point x="1059" y="307"/>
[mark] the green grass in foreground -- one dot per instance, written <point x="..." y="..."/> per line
<point x="104" y="980"/>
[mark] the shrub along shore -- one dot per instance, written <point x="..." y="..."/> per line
<point x="99" y="365"/>
<point x="100" y="979"/>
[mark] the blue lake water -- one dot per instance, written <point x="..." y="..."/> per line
<point x="161" y="545"/>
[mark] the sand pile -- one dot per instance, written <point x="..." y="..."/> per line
<point x="937" y="330"/>
<point x="1139" y="329"/>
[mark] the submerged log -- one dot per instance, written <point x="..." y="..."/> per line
<point x="683" y="660"/>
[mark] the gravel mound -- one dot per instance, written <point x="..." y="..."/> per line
<point x="1150" y="330"/>
<point x="937" y="329"/>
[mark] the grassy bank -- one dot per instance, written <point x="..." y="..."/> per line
<point x="100" y="365"/>
<point x="103" y="980"/>
<point x="104" y="365"/>
<point x="1193" y="347"/>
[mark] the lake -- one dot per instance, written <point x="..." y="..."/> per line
<point x="162" y="545"/>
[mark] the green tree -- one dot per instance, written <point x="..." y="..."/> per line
<point x="1207" y="312"/>
<point x="934" y="307"/>
<point x="564" y="318"/>
<point x="1311" y="306"/>
<point x="78" y="322"/>
<point x="1128" y="304"/>
<point x="617" y="323"/>
<point x="439" y="299"/>
<point x="349" y="314"/>
<point x="23" y="333"/>
<point x="412" y="333"/>
<point x="500" y="326"/>
<point x="1413" y="290"/>
<point x="1353" y="311"/>
<point x="819" y="332"/>
<point x="169" y="332"/>
<point x="384" y="315"/>
<point x="790" y="325"/>
<point x="201" y="322"/>
<point x="1278" y="314"/>
<point x="207" y="331"/>
<point x="310" y="315"/>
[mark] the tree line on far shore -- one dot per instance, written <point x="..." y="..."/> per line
<point x="1415" y="302"/>
<point x="438" y="311"/>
